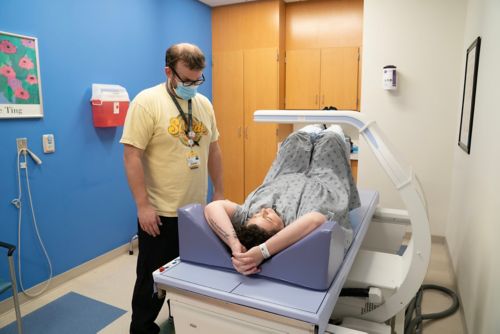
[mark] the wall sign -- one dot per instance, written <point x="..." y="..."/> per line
<point x="20" y="84"/>
<point x="469" y="95"/>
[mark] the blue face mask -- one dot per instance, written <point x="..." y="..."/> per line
<point x="185" y="93"/>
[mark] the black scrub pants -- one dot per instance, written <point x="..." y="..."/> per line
<point x="153" y="253"/>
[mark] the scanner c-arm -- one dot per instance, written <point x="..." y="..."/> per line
<point x="408" y="271"/>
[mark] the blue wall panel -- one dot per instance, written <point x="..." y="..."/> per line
<point x="83" y="205"/>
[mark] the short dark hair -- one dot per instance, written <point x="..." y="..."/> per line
<point x="189" y="54"/>
<point x="251" y="235"/>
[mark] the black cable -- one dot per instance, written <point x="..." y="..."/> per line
<point x="354" y="292"/>
<point x="170" y="318"/>
<point x="414" y="322"/>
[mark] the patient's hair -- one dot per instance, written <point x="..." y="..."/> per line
<point x="251" y="235"/>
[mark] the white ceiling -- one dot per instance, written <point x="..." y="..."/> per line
<point x="215" y="3"/>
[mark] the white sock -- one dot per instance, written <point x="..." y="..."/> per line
<point x="312" y="128"/>
<point x="336" y="128"/>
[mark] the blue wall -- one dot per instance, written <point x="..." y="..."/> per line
<point x="83" y="204"/>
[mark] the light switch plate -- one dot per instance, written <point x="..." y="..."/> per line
<point x="49" y="145"/>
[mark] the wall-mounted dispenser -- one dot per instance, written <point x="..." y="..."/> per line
<point x="390" y="77"/>
<point x="109" y="105"/>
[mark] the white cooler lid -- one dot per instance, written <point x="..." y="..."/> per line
<point x="104" y="92"/>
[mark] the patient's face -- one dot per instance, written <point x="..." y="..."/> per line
<point x="267" y="219"/>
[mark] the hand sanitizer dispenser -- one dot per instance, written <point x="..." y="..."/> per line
<point x="389" y="77"/>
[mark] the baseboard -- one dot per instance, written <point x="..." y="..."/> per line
<point x="7" y="304"/>
<point x="439" y="239"/>
<point x="455" y="282"/>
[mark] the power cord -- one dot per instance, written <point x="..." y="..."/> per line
<point x="17" y="202"/>
<point x="413" y="315"/>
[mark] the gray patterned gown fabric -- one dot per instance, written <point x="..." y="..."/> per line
<point x="311" y="173"/>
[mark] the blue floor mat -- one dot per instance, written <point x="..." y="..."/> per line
<point x="71" y="313"/>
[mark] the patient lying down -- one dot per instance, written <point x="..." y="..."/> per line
<point x="309" y="183"/>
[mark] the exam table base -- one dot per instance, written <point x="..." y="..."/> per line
<point x="194" y="314"/>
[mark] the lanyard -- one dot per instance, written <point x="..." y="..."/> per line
<point x="189" y="120"/>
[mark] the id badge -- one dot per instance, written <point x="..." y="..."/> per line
<point x="193" y="160"/>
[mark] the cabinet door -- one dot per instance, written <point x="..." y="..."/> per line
<point x="302" y="79"/>
<point x="339" y="78"/>
<point x="228" y="104"/>
<point x="354" y="170"/>
<point x="261" y="91"/>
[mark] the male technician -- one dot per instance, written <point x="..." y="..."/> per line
<point x="170" y="142"/>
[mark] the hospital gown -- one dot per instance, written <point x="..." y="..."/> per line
<point x="310" y="173"/>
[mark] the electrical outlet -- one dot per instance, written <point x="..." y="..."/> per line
<point x="22" y="144"/>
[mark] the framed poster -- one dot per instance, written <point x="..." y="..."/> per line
<point x="20" y="84"/>
<point x="469" y="95"/>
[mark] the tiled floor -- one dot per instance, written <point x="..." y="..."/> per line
<point x="112" y="283"/>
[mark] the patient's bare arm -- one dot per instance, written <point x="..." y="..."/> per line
<point x="218" y="215"/>
<point x="248" y="262"/>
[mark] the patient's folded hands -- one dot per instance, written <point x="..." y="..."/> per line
<point x="248" y="263"/>
<point x="237" y="247"/>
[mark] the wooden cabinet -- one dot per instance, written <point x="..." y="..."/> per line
<point x="248" y="74"/>
<point x="260" y="79"/>
<point x="317" y="78"/>
<point x="339" y="78"/>
<point x="247" y="80"/>
<point x="302" y="79"/>
<point x="228" y="106"/>
<point x="354" y="169"/>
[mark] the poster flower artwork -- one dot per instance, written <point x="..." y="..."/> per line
<point x="20" y="86"/>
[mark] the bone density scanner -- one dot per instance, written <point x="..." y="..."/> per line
<point x="299" y="289"/>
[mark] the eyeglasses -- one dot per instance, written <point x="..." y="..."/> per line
<point x="187" y="83"/>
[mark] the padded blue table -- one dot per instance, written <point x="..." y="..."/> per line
<point x="267" y="294"/>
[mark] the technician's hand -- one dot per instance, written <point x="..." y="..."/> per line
<point x="248" y="263"/>
<point x="149" y="220"/>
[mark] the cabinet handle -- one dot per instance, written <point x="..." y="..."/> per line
<point x="323" y="99"/>
<point x="239" y="132"/>
<point x="316" y="100"/>
<point x="246" y="132"/>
